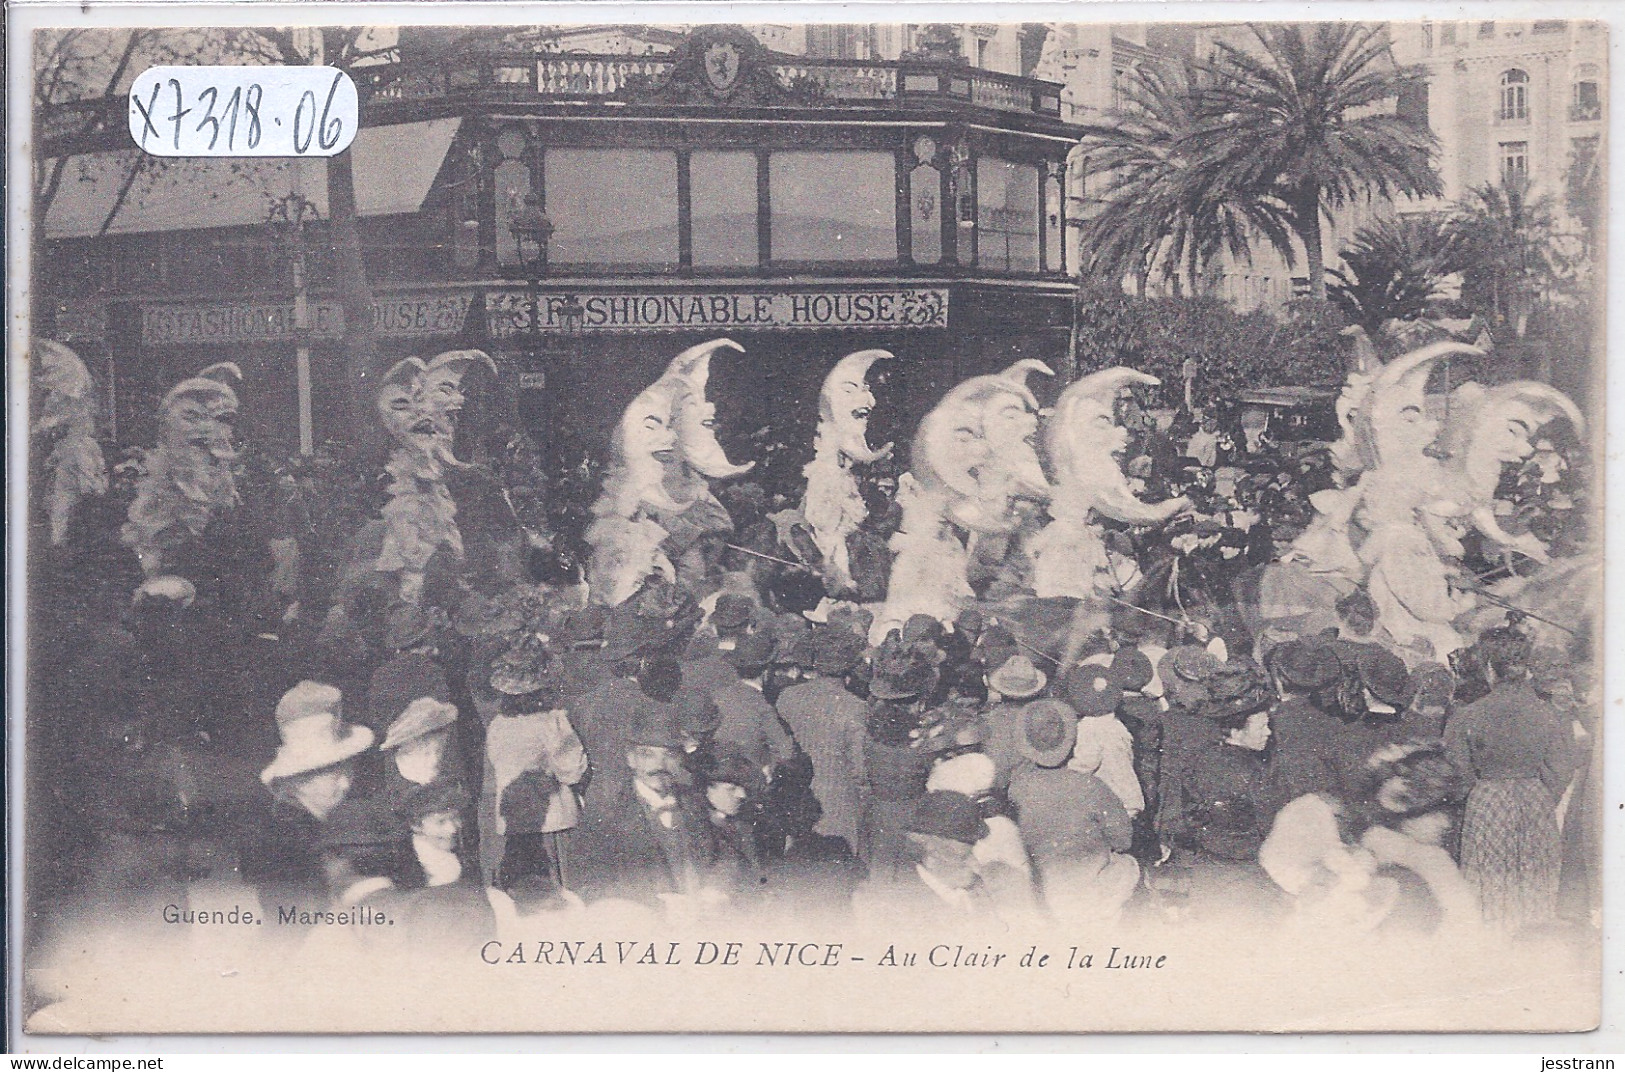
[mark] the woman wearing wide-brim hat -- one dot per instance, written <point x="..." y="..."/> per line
<point x="310" y="775"/>
<point x="1215" y="806"/>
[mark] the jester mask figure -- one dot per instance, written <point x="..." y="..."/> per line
<point x="188" y="479"/>
<point x="63" y="433"/>
<point x="418" y="406"/>
<point x="832" y="506"/>
<point x="656" y="499"/>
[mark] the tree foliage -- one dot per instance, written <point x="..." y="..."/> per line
<point x="1231" y="351"/>
<point x="1514" y="256"/>
<point x="1396" y="269"/>
<point x="1160" y="212"/>
<point x="1304" y="116"/>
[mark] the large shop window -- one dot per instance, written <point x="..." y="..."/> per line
<point x="1006" y="215"/>
<point x="833" y="206"/>
<point x="612" y="206"/>
<point x="722" y="190"/>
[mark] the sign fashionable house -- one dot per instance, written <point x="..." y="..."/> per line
<point x="642" y="311"/>
<point x="250" y="322"/>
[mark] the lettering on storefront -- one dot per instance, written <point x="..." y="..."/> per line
<point x="908" y="308"/>
<point x="203" y="325"/>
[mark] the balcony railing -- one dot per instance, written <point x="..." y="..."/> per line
<point x="568" y="77"/>
<point x="1585" y="113"/>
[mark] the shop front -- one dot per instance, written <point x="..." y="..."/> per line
<point x="573" y="358"/>
<point x="294" y="376"/>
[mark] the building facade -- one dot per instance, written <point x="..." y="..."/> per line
<point x="1510" y="99"/>
<point x="804" y="207"/>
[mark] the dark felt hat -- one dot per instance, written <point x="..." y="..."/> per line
<point x="1385" y="676"/>
<point x="1091" y="690"/>
<point x="954" y="816"/>
<point x="902" y="672"/>
<point x="922" y="627"/>
<point x="1305" y="665"/>
<point x="752" y="653"/>
<point x="731" y="768"/>
<point x="439" y="796"/>
<point x="697" y="713"/>
<point x="660" y="727"/>
<point x="733" y="611"/>
<point x="790" y="633"/>
<point x="835" y="651"/>
<point x="1131" y="669"/>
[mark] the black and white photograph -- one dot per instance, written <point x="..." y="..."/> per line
<point x="709" y="526"/>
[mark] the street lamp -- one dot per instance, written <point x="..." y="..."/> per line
<point x="532" y="231"/>
<point x="286" y="221"/>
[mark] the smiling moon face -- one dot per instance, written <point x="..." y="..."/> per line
<point x="646" y="426"/>
<point x="1011" y="425"/>
<point x="846" y="402"/>
<point x="695" y="416"/>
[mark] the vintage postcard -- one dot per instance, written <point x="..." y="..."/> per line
<point x="993" y="526"/>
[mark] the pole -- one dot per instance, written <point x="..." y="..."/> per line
<point x="301" y="315"/>
<point x="301" y="357"/>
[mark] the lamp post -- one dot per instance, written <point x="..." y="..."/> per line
<point x="286" y="220"/>
<point x="565" y="315"/>
<point x="532" y="231"/>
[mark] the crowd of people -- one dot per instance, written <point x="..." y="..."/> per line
<point x="735" y="738"/>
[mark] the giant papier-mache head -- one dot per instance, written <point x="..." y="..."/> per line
<point x="1492" y="427"/>
<point x="64" y="394"/>
<point x="977" y="447"/>
<point x="1083" y="437"/>
<point x="1393" y="422"/>
<point x="419" y="401"/>
<point x="844" y="406"/>
<point x="670" y="429"/>
<point x="197" y="414"/>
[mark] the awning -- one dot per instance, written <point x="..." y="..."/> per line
<point x="394" y="168"/>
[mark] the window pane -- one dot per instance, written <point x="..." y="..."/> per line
<point x="1006" y="215"/>
<point x="925" y="214"/>
<point x="612" y="206"/>
<point x="1054" y="226"/>
<point x="833" y="206"/>
<point x="722" y="187"/>
<point x="513" y="183"/>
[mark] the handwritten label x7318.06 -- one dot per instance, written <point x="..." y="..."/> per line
<point x="243" y="111"/>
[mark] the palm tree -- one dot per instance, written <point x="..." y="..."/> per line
<point x="1509" y="243"/>
<point x="1304" y="118"/>
<point x="1395" y="270"/>
<point x="1160" y="213"/>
